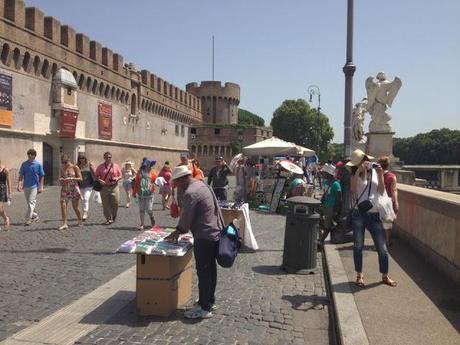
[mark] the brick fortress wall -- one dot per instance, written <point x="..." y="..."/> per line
<point x="150" y="114"/>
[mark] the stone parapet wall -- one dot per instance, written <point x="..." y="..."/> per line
<point x="430" y="221"/>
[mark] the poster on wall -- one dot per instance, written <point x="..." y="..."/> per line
<point x="105" y="121"/>
<point x="6" y="100"/>
<point x="68" y="124"/>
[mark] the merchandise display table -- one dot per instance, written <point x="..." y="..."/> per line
<point x="163" y="271"/>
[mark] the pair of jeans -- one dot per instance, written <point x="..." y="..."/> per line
<point x="221" y="193"/>
<point x="370" y="221"/>
<point x="206" y="269"/>
<point x="31" y="200"/>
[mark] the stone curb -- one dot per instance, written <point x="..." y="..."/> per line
<point x="349" y="326"/>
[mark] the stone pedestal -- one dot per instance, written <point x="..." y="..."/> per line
<point x="380" y="144"/>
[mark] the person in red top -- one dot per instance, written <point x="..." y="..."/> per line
<point x="184" y="160"/>
<point x="166" y="189"/>
<point x="389" y="179"/>
<point x="198" y="172"/>
<point x="108" y="174"/>
<point x="144" y="189"/>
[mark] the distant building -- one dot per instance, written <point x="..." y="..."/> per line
<point x="220" y="134"/>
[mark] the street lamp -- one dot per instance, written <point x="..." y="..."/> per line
<point x="313" y="90"/>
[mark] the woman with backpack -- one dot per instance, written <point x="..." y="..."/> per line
<point x="144" y="188"/>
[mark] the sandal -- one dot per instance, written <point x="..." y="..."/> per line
<point x="107" y="222"/>
<point x="7" y="224"/>
<point x="360" y="281"/>
<point x="390" y="282"/>
<point x="63" y="227"/>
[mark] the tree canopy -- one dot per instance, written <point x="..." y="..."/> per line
<point x="296" y="122"/>
<point x="440" y="146"/>
<point x="245" y="117"/>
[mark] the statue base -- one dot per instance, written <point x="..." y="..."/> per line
<point x="358" y="145"/>
<point x="380" y="144"/>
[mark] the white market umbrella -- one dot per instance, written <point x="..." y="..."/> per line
<point x="303" y="151"/>
<point x="276" y="147"/>
<point x="235" y="160"/>
<point x="292" y="167"/>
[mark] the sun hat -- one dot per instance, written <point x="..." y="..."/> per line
<point x="329" y="168"/>
<point x="357" y="156"/>
<point x="145" y="163"/>
<point x="128" y="162"/>
<point x="180" y="171"/>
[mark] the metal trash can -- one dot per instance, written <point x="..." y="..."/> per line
<point x="301" y="234"/>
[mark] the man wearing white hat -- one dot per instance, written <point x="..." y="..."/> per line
<point x="201" y="215"/>
<point x="332" y="198"/>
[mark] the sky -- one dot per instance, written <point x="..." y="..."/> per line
<point x="275" y="49"/>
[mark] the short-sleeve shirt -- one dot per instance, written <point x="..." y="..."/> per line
<point x="32" y="172"/>
<point x="330" y="199"/>
<point x="200" y="212"/>
<point x="103" y="170"/>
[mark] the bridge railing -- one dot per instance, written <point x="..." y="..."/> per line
<point x="430" y="221"/>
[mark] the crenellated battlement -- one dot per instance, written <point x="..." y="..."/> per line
<point x="214" y="89"/>
<point x="43" y="41"/>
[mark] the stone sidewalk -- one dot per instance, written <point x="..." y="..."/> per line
<point x="44" y="270"/>
<point x="424" y="309"/>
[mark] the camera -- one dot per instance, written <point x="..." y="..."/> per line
<point x="374" y="165"/>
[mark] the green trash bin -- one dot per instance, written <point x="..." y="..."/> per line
<point x="301" y="234"/>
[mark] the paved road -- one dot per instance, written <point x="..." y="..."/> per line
<point x="44" y="269"/>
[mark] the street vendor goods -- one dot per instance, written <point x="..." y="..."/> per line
<point x="152" y="242"/>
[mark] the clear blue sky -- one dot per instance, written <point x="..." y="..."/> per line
<point x="276" y="49"/>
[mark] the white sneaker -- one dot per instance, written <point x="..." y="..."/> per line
<point x="213" y="308"/>
<point x="197" y="313"/>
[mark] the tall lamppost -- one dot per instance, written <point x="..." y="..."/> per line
<point x="313" y="90"/>
<point x="349" y="69"/>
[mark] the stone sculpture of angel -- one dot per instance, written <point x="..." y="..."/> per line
<point x="380" y="96"/>
<point x="357" y="121"/>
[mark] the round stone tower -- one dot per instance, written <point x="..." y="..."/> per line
<point x="219" y="103"/>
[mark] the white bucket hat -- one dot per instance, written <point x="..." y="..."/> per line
<point x="357" y="156"/>
<point x="180" y="171"/>
<point x="329" y="168"/>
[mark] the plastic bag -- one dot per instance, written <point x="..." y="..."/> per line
<point x="385" y="208"/>
<point x="97" y="197"/>
<point x="174" y="210"/>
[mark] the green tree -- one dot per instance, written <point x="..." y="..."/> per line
<point x="440" y="146"/>
<point x="296" y="122"/>
<point x="247" y="118"/>
<point x="335" y="152"/>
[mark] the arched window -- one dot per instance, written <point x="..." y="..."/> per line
<point x="126" y="98"/>
<point x="5" y="54"/>
<point x="37" y="65"/>
<point x="143" y="104"/>
<point x="211" y="151"/>
<point x="133" y="104"/>
<point x="165" y="88"/>
<point x="117" y="97"/>
<point x="205" y="150"/>
<point x="199" y="150"/>
<point x="88" y="84"/>
<point x="81" y="81"/>
<point x="26" y="62"/>
<point x="101" y="89"/>
<point x="94" y="89"/>
<point x="107" y="91"/>
<point x="193" y="149"/>
<point x="54" y="69"/>
<point x="17" y="58"/>
<point x="45" y="68"/>
<point x="112" y="93"/>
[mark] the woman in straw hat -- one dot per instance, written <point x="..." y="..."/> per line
<point x="128" y="174"/>
<point x="367" y="185"/>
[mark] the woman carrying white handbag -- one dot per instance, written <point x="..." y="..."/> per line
<point x="392" y="205"/>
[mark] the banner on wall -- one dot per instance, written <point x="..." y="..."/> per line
<point x="6" y="100"/>
<point x="68" y="124"/>
<point x="105" y="121"/>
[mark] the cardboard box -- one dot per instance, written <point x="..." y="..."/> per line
<point x="230" y="214"/>
<point x="163" y="283"/>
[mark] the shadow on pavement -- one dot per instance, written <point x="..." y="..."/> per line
<point x="304" y="303"/>
<point x="122" y="307"/>
<point x="346" y="287"/>
<point x="270" y="270"/>
<point x="44" y="250"/>
<point x="443" y="292"/>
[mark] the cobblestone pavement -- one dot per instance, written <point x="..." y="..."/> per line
<point x="44" y="269"/>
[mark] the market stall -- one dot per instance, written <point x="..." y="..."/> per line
<point x="163" y="271"/>
<point x="277" y="167"/>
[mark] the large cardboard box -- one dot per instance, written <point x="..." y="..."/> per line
<point x="163" y="283"/>
<point x="230" y="214"/>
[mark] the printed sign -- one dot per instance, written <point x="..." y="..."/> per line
<point x="105" y="121"/>
<point x="68" y="124"/>
<point x="6" y="100"/>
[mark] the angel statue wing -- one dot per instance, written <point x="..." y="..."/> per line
<point x="392" y="90"/>
<point x="371" y="88"/>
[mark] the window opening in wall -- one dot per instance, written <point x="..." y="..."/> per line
<point x="5" y="53"/>
<point x="36" y="65"/>
<point x="177" y="130"/>
<point x="182" y="131"/>
<point x="193" y="130"/>
<point x="45" y="68"/>
<point x="217" y="131"/>
<point x="69" y="91"/>
<point x="133" y="104"/>
<point x="26" y="61"/>
<point x="205" y="150"/>
<point x="16" y="56"/>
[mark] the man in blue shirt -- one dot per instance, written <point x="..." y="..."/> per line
<point x="31" y="180"/>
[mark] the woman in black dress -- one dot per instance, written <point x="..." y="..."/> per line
<point x="5" y="193"/>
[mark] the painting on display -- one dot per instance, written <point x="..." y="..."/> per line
<point x="105" y="121"/>
<point x="6" y="100"/>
